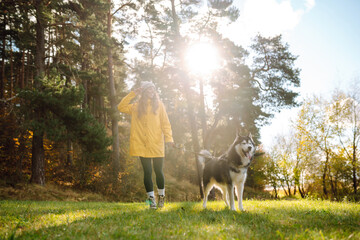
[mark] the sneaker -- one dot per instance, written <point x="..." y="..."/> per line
<point x="152" y="203"/>
<point x="161" y="201"/>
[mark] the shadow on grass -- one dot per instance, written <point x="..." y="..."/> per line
<point x="188" y="220"/>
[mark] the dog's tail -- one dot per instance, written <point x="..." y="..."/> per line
<point x="203" y="156"/>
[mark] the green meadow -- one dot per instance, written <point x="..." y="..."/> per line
<point x="296" y="219"/>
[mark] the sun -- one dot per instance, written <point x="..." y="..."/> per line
<point x="202" y="58"/>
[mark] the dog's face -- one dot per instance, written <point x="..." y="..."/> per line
<point x="245" y="147"/>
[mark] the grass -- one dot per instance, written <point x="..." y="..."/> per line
<point x="50" y="192"/>
<point x="298" y="219"/>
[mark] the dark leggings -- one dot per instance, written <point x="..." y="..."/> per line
<point x="158" y="168"/>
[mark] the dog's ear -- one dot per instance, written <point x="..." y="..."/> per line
<point x="250" y="136"/>
<point x="240" y="132"/>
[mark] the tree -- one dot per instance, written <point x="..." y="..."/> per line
<point x="163" y="48"/>
<point x="235" y="96"/>
<point x="345" y="117"/>
<point x="272" y="173"/>
<point x="113" y="102"/>
<point x="58" y="34"/>
<point x="215" y="8"/>
<point x="38" y="163"/>
<point x="283" y="153"/>
<point x="62" y="119"/>
<point x="306" y="159"/>
<point x="274" y="72"/>
<point x="314" y="125"/>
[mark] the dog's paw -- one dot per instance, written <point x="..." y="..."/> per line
<point x="241" y="209"/>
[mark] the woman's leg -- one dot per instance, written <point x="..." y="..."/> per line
<point x="160" y="179"/>
<point x="147" y="167"/>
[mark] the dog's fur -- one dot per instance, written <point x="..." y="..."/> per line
<point x="228" y="171"/>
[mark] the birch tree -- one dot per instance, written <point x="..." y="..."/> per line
<point x="344" y="115"/>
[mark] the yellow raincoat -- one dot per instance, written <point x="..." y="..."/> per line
<point x="147" y="135"/>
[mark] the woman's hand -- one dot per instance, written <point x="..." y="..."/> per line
<point x="170" y="144"/>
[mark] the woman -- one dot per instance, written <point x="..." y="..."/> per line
<point x="149" y="127"/>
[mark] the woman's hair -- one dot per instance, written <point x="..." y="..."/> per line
<point x="142" y="104"/>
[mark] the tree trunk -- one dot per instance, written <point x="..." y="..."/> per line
<point x="210" y="132"/>
<point x="202" y="112"/>
<point x="324" y="176"/>
<point x="27" y="70"/>
<point x="282" y="185"/>
<point x="276" y="194"/>
<point x="2" y="82"/>
<point x="193" y="129"/>
<point x="332" y="185"/>
<point x="12" y="76"/>
<point x="297" y="174"/>
<point x="38" y="161"/>
<point x="86" y="95"/>
<point x="190" y="108"/>
<point x="22" y="72"/>
<point x="354" y="164"/>
<point x="289" y="187"/>
<point x="114" y="119"/>
<point x="69" y="153"/>
<point x="301" y="192"/>
<point x="21" y="154"/>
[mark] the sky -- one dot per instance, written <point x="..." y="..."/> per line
<point x="324" y="34"/>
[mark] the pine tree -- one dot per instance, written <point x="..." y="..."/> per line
<point x="56" y="29"/>
<point x="38" y="161"/>
<point x="121" y="9"/>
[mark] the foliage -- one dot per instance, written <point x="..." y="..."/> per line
<point x="323" y="159"/>
<point x="305" y="219"/>
<point x="273" y="69"/>
<point x="63" y="119"/>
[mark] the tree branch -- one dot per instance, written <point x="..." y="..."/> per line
<point x="62" y="24"/>
<point x="206" y="22"/>
<point x="128" y="4"/>
<point x="342" y="143"/>
<point x="261" y="87"/>
<point x="9" y="99"/>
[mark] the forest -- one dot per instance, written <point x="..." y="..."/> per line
<point x="66" y="64"/>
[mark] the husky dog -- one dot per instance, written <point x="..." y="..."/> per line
<point x="229" y="170"/>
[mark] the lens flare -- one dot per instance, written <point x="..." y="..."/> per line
<point x="202" y="58"/>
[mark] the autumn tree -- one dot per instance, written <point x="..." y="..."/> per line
<point x="306" y="162"/>
<point x="272" y="173"/>
<point x="313" y="123"/>
<point x="345" y="117"/>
